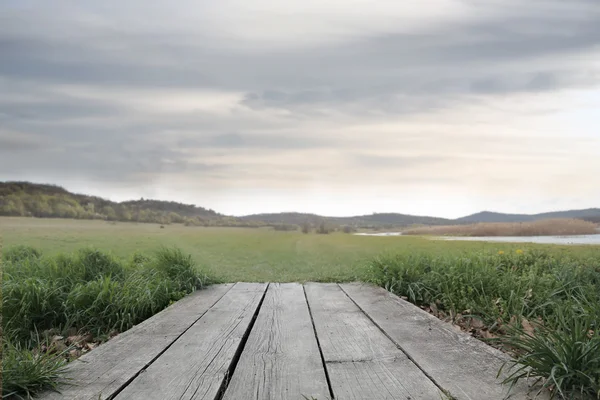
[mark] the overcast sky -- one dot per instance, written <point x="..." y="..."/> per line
<point x="339" y="107"/>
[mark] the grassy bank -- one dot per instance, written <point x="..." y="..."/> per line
<point x="541" y="307"/>
<point x="56" y="307"/>
<point x="547" y="227"/>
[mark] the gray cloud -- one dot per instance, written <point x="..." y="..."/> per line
<point x="57" y="110"/>
<point x="368" y="160"/>
<point x="280" y="142"/>
<point x="109" y="162"/>
<point x="14" y="143"/>
<point x="86" y="91"/>
<point x="404" y="61"/>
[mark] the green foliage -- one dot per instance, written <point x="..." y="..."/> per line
<point x="561" y="291"/>
<point x="19" y="253"/>
<point x="179" y="268"/>
<point x="23" y="199"/>
<point x="26" y="372"/>
<point x="92" y="290"/>
<point x="89" y="291"/>
<point x="96" y="264"/>
<point x="565" y="353"/>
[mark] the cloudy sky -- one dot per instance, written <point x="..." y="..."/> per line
<point x="339" y="107"/>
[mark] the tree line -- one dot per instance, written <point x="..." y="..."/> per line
<point x="22" y="199"/>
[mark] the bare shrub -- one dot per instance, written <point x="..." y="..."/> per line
<point x="348" y="229"/>
<point x="306" y="227"/>
<point x="324" y="228"/>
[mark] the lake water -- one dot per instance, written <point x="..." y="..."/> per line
<point x="571" y="239"/>
<point x="380" y="234"/>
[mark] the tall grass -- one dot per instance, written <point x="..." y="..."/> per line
<point x="547" y="227"/>
<point x="27" y="371"/>
<point x="89" y="291"/>
<point x="558" y="294"/>
<point x="566" y="354"/>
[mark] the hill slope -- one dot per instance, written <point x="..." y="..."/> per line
<point x="38" y="200"/>
<point x="590" y="214"/>
<point x="364" y="221"/>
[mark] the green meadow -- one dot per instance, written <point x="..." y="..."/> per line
<point x="247" y="254"/>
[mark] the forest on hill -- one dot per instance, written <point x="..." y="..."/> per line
<point x="48" y="201"/>
<point x="27" y="199"/>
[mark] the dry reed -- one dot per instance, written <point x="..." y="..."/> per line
<point x="546" y="227"/>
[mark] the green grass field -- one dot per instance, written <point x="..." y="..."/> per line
<point x="243" y="254"/>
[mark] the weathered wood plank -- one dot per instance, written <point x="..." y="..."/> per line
<point x="459" y="363"/>
<point x="196" y="365"/>
<point x="100" y="373"/>
<point x="362" y="362"/>
<point x="281" y="359"/>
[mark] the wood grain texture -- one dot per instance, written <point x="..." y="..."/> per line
<point x="362" y="362"/>
<point x="100" y="373"/>
<point x="195" y="366"/>
<point x="459" y="363"/>
<point x="281" y="359"/>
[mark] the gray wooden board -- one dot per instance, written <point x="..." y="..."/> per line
<point x="195" y="366"/>
<point x="362" y="362"/>
<point x="457" y="362"/>
<point x="281" y="359"/>
<point x="101" y="372"/>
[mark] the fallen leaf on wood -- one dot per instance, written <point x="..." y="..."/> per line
<point x="91" y="346"/>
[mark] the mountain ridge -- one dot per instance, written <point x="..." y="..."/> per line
<point x="44" y="200"/>
<point x="493" y="216"/>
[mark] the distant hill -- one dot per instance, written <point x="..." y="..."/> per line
<point x="378" y="220"/>
<point x="395" y="219"/>
<point x="50" y="201"/>
<point x="590" y="214"/>
<point x="284" y="218"/>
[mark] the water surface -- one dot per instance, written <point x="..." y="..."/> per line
<point x="569" y="239"/>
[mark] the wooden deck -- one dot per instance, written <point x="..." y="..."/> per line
<point x="290" y="341"/>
